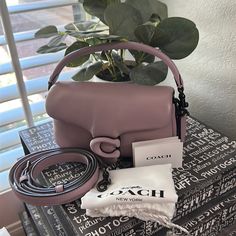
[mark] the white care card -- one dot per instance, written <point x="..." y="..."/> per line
<point x="157" y="152"/>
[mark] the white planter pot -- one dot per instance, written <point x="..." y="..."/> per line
<point x="96" y="79"/>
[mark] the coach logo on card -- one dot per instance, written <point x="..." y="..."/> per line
<point x="161" y="156"/>
<point x="158" y="152"/>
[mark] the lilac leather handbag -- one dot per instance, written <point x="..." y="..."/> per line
<point x="107" y="117"/>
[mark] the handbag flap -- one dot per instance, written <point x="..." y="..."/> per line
<point x="111" y="109"/>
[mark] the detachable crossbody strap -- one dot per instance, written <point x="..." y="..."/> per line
<point x="117" y="45"/>
<point x="23" y="176"/>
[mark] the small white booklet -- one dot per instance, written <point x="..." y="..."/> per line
<point x="158" y="151"/>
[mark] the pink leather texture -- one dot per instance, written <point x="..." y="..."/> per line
<point x="128" y="112"/>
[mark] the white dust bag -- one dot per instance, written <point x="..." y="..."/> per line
<point x="147" y="193"/>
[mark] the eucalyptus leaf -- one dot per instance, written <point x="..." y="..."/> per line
<point x="46" y="32"/>
<point x="148" y="7"/>
<point x="103" y="56"/>
<point x="90" y="32"/>
<point x="79" y="60"/>
<point x="142" y="57"/>
<point x="97" y="7"/>
<point x="75" y="34"/>
<point x="51" y="49"/>
<point x="95" y="41"/>
<point x="57" y="40"/>
<point x="122" y="19"/>
<point x="155" y="18"/>
<point x="146" y="31"/>
<point x="120" y="64"/>
<point x="150" y="74"/>
<point x="81" y="26"/>
<point x="102" y="38"/>
<point x="176" y="36"/>
<point x="88" y="72"/>
<point x="83" y="34"/>
<point x="109" y="37"/>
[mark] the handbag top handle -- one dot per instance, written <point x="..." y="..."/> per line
<point x="117" y="45"/>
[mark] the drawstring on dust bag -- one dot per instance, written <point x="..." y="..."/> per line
<point x="147" y="193"/>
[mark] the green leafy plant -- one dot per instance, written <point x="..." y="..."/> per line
<point x="144" y="21"/>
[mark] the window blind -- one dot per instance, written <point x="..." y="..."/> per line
<point x="13" y="118"/>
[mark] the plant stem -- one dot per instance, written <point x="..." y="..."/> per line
<point x="122" y="53"/>
<point x="76" y="28"/>
<point x="112" y="71"/>
<point x="113" y="65"/>
<point x="96" y="25"/>
<point x="95" y="57"/>
<point x="139" y="61"/>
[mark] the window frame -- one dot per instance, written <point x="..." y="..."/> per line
<point x="10" y="205"/>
